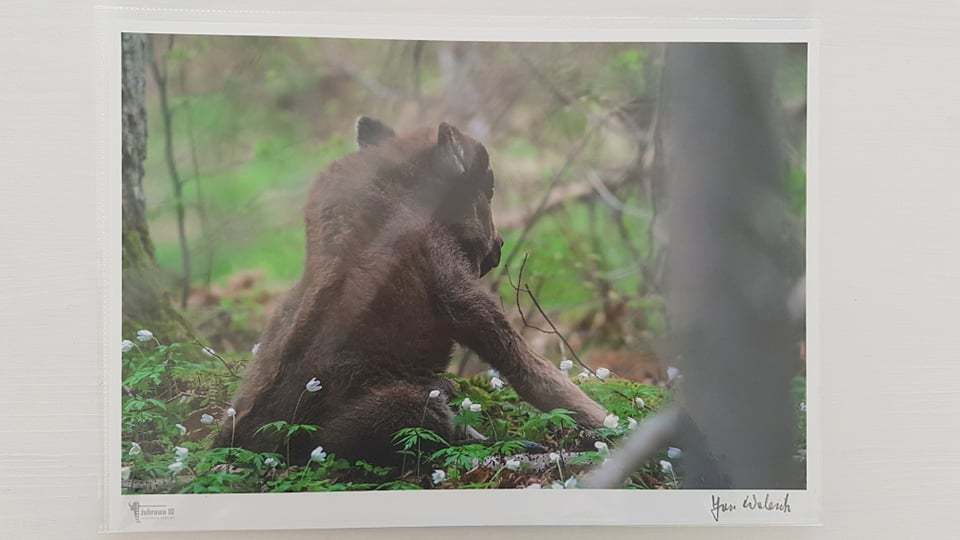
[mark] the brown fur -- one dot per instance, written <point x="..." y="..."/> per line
<point x="398" y="235"/>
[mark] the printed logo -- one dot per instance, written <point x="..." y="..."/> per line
<point x="150" y="511"/>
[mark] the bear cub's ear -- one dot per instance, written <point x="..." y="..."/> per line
<point x="371" y="132"/>
<point x="450" y="149"/>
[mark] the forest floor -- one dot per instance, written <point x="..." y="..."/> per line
<point x="175" y="400"/>
<point x="177" y="395"/>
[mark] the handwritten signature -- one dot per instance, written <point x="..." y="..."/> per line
<point x="751" y="502"/>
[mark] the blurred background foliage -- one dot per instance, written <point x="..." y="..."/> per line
<point x="569" y="128"/>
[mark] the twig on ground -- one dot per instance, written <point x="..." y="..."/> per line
<point x="647" y="439"/>
<point x="535" y="462"/>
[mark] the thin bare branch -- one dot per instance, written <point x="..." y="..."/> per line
<point x="522" y="287"/>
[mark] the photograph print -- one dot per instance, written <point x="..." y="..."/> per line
<point x="375" y="265"/>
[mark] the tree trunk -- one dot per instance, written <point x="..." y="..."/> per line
<point x="730" y="264"/>
<point x="145" y="303"/>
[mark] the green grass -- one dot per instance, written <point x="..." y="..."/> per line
<point x="279" y="253"/>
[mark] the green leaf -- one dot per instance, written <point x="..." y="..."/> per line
<point x="464" y="457"/>
<point x="298" y="428"/>
<point x="408" y="438"/>
<point x="507" y="448"/>
<point x="277" y="426"/>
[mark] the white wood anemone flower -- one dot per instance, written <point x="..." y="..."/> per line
<point x="180" y="453"/>
<point x="631" y="423"/>
<point x="135" y="449"/>
<point x="554" y="457"/>
<point x="271" y="462"/>
<point x="601" y="447"/>
<point x="206" y="419"/>
<point x="666" y="466"/>
<point x="513" y="464"/>
<point x="318" y="455"/>
<point x="438" y="476"/>
<point x="255" y="349"/>
<point x="674" y="452"/>
<point x="144" y="335"/>
<point x="126" y="345"/>
<point x="672" y="374"/>
<point x="181" y="428"/>
<point x="231" y="412"/>
<point x="475" y="407"/>
<point x="603" y="373"/>
<point x="434" y="394"/>
<point x="583" y="375"/>
<point x="313" y="385"/>
<point x="640" y="403"/>
<point x="176" y="467"/>
<point x="566" y="365"/>
<point x="611" y="421"/>
<point x="466" y="403"/>
<point x="496" y="383"/>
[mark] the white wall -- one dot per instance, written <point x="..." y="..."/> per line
<point x="890" y="200"/>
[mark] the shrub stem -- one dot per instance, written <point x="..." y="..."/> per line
<point x="293" y="420"/>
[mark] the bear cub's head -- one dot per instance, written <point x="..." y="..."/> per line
<point x="450" y="173"/>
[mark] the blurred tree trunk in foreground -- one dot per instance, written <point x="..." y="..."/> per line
<point x="732" y="257"/>
<point x="731" y="263"/>
<point x="145" y="304"/>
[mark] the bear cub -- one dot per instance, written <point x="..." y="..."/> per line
<point x="398" y="235"/>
